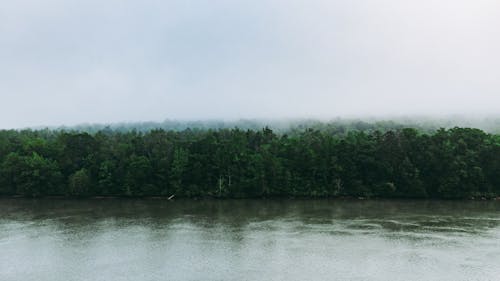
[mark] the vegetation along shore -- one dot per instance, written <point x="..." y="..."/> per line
<point x="240" y="163"/>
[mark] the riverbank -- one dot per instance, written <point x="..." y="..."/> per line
<point x="170" y="198"/>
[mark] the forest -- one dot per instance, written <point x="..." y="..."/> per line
<point x="450" y="163"/>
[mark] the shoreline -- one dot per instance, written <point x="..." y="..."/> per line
<point x="291" y="198"/>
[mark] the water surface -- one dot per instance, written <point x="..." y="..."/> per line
<point x="116" y="239"/>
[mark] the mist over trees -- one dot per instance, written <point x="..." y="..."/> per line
<point x="490" y="124"/>
<point x="315" y="160"/>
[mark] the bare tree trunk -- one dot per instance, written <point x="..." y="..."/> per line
<point x="220" y="186"/>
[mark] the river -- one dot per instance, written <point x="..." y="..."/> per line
<point x="120" y="239"/>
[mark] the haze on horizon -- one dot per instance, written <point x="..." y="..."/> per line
<point x="69" y="62"/>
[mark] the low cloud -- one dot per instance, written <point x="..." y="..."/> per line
<point x="68" y="62"/>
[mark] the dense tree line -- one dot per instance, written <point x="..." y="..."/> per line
<point x="454" y="163"/>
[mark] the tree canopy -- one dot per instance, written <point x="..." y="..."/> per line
<point x="405" y="162"/>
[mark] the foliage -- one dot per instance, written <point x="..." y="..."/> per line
<point x="401" y="162"/>
<point x="79" y="183"/>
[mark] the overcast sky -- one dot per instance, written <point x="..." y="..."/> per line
<point x="69" y="62"/>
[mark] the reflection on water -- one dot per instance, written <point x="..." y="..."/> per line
<point x="248" y="240"/>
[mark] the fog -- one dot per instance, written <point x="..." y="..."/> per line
<point x="65" y="62"/>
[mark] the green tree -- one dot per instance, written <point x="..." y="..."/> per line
<point x="138" y="177"/>
<point x="179" y="165"/>
<point x="79" y="183"/>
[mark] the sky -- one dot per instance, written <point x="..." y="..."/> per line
<point x="65" y="62"/>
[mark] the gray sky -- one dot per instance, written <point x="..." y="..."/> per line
<point x="68" y="62"/>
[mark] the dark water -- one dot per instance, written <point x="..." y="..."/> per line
<point x="248" y="240"/>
